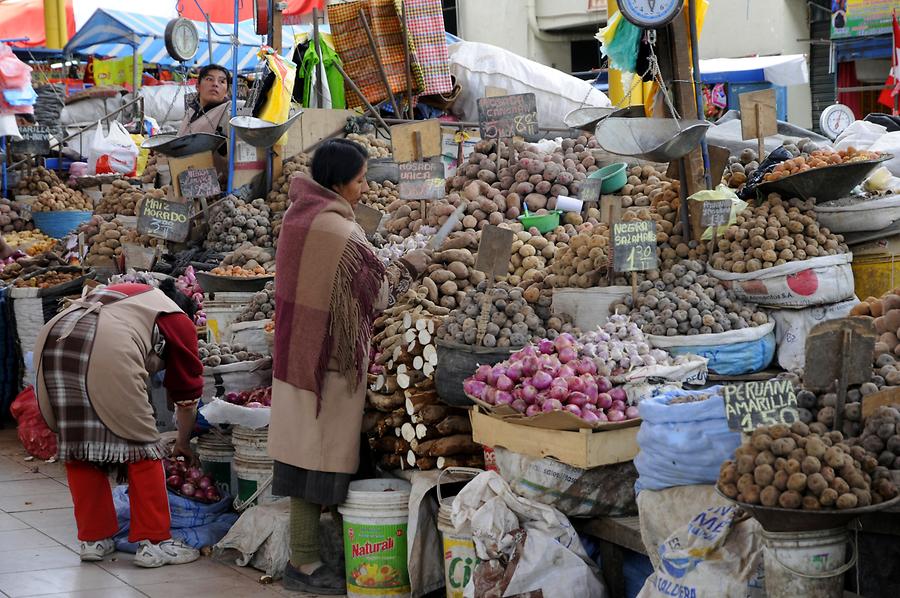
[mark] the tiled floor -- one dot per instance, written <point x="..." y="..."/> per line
<point x="38" y="547"/>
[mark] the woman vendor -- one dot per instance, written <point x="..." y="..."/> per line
<point x="330" y="286"/>
<point x="93" y="363"/>
<point x="210" y="112"/>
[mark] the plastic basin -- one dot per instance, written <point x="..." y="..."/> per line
<point x="614" y="177"/>
<point x="543" y="222"/>
<point x="61" y="223"/>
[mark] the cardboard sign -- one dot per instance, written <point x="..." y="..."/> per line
<point x="716" y="212"/>
<point x="634" y="246"/>
<point x="494" y="251"/>
<point x="405" y="146"/>
<point x="422" y="180"/>
<point x="590" y="190"/>
<point x="509" y="116"/>
<point x="199" y="182"/>
<point x="169" y="220"/>
<point x="758" y="114"/>
<point x="754" y="404"/>
<point x="35" y="140"/>
<point x="367" y="218"/>
<point x="494" y="92"/>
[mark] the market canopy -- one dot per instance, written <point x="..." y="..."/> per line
<point x="115" y="33"/>
<point x="778" y="70"/>
<point x="25" y="19"/>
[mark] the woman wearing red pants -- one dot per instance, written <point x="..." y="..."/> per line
<point x="93" y="363"/>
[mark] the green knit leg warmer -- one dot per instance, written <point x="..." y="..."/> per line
<point x="304" y="532"/>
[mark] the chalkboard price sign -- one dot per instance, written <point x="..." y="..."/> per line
<point x="169" y="220"/>
<point x="199" y="182"/>
<point x="35" y="140"/>
<point x="634" y="246"/>
<point x="422" y="180"/>
<point x="509" y="116"/>
<point x="716" y="212"/>
<point x="754" y="404"/>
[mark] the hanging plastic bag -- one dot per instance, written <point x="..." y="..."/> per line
<point x="112" y="153"/>
<point x="274" y="104"/>
<point x="33" y="432"/>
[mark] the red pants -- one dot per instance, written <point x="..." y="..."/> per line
<point x="95" y="513"/>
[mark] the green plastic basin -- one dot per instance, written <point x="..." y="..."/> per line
<point x="614" y="177"/>
<point x="543" y="222"/>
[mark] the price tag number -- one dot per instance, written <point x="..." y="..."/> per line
<point x="641" y="257"/>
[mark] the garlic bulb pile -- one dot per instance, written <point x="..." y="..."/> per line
<point x="618" y="346"/>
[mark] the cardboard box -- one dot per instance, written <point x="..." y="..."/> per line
<point x="582" y="448"/>
<point x="179" y="165"/>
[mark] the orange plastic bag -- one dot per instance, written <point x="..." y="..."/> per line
<point x="34" y="434"/>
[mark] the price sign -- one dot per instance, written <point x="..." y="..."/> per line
<point x="509" y="116"/>
<point x="169" y="220"/>
<point x="422" y="180"/>
<point x="35" y="140"/>
<point x="754" y="404"/>
<point x="494" y="251"/>
<point x="416" y="141"/>
<point x="716" y="212"/>
<point x="199" y="182"/>
<point x="590" y="189"/>
<point x="634" y="246"/>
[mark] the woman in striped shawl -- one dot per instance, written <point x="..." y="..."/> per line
<point x="330" y="286"/>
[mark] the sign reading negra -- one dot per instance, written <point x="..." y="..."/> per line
<point x="509" y="116"/>
<point x="35" y="140"/>
<point x="169" y="220"/>
<point x="754" y="404"/>
<point x="421" y="180"/>
<point x="634" y="246"/>
<point x="716" y="212"/>
<point x="199" y="182"/>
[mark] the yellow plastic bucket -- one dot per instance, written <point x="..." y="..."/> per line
<point x="875" y="275"/>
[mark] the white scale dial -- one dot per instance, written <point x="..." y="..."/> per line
<point x="650" y="14"/>
<point x="835" y="119"/>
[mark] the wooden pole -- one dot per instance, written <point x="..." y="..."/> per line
<point x="354" y="87"/>
<point x="378" y="63"/>
<point x="409" y="83"/>
<point x="761" y="140"/>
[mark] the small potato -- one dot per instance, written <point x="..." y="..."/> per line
<point x="815" y="447"/>
<point x="800" y="428"/>
<point x="761" y="442"/>
<point x="810" y="465"/>
<point x="763" y="475"/>
<point x="745" y="464"/>
<point x="779" y="431"/>
<point x="847" y="501"/>
<point x="728" y="473"/>
<point x="828" y="497"/>
<point x="780" y="480"/>
<point x="751" y="494"/>
<point x="792" y="466"/>
<point x="863" y="497"/>
<point x="790" y="500"/>
<point x="797" y="482"/>
<point x="729" y="490"/>
<point x="746" y="480"/>
<point x="783" y="446"/>
<point x="816" y="483"/>
<point x="769" y="496"/>
<point x="765" y="458"/>
<point x="840" y="485"/>
<point x="834" y="456"/>
<point x="811" y="503"/>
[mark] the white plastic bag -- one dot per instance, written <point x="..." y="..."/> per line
<point x="889" y="143"/>
<point x="236" y="377"/>
<point x="728" y="353"/>
<point x="589" y="308"/>
<point x="262" y="537"/>
<point x="860" y="134"/>
<point x="875" y="214"/>
<point x="219" y="412"/>
<point x="113" y="152"/>
<point x="792" y="326"/>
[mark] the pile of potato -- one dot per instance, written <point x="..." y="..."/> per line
<point x="774" y="233"/>
<point x="583" y="261"/>
<point x="235" y="222"/>
<point x="886" y="312"/>
<point x="799" y="467"/>
<point x="261" y="307"/>
<point x="278" y="200"/>
<point x="11" y="218"/>
<point x="377" y="148"/>
<point x="250" y="257"/>
<point x="122" y="198"/>
<point x="452" y="272"/>
<point x="238" y="271"/>
<point x="214" y="355"/>
<point x="40" y="179"/>
<point x="530" y="255"/>
<point x="62" y="198"/>
<point x="881" y="437"/>
<point x="513" y="322"/>
<point x="686" y="301"/>
<point x="150" y="170"/>
<point x="646" y="185"/>
<point x="26" y="265"/>
<point x="31" y="242"/>
<point x="380" y="196"/>
<point x="818" y="159"/>
<point x="821" y="408"/>
<point x="46" y="280"/>
<point x="105" y="239"/>
<point x="740" y="168"/>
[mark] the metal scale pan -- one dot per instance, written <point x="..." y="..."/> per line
<point x="173" y="146"/>
<point x="261" y="133"/>
<point x="651" y="139"/>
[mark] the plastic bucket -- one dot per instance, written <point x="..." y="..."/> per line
<point x="376" y="514"/>
<point x="459" y="548"/>
<point x="59" y="224"/>
<point x="250" y="444"/>
<point x="875" y="275"/>
<point x="216" y="455"/>
<point x="543" y="222"/>
<point x="254" y="482"/>
<point x="221" y="312"/>
<point x="806" y="563"/>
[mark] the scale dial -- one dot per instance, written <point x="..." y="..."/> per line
<point x="835" y="119"/>
<point x="650" y="14"/>
<point x="182" y="39"/>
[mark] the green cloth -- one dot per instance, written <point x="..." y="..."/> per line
<point x="304" y="532"/>
<point x="332" y="75"/>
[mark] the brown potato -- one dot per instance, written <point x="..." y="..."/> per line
<point x="765" y="458"/>
<point x="797" y="482"/>
<point x="745" y="464"/>
<point x="790" y="500"/>
<point x="811" y="503"/>
<point x="847" y="501"/>
<point x="792" y="466"/>
<point x="828" y="497"/>
<point x="763" y="475"/>
<point x="816" y="483"/>
<point x="769" y="496"/>
<point x="782" y="447"/>
<point x="810" y="465"/>
<point x="780" y="480"/>
<point x="728" y="473"/>
<point x="815" y="447"/>
<point x="761" y="442"/>
<point x="729" y="490"/>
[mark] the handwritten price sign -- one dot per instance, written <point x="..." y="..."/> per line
<point x="509" y="116"/>
<point x="634" y="246"/>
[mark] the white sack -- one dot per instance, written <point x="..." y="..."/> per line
<point x="262" y="537"/>
<point x="793" y="325"/>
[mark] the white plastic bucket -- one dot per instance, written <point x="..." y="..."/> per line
<point x="376" y="514"/>
<point x="254" y="482"/>
<point x="216" y="455"/>
<point x="459" y="548"/>
<point x="806" y="563"/>
<point x="221" y="313"/>
<point x="250" y="444"/>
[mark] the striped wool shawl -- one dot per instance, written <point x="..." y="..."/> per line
<point x="329" y="281"/>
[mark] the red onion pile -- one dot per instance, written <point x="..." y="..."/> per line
<point x="254" y="399"/>
<point x="190" y="482"/>
<point x="551" y="376"/>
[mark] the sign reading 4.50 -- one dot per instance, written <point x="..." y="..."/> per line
<point x="634" y="246"/>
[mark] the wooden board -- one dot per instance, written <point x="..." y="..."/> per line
<point x="169" y="220"/>
<point x="422" y="180"/>
<point x="494" y="251"/>
<point x="509" y="116"/>
<point x="766" y="123"/>
<point x="718" y="162"/>
<point x="753" y="404"/>
<point x="888" y="396"/>
<point x="367" y="218"/>
<point x="199" y="182"/>
<point x="403" y="140"/>
<point x="590" y="190"/>
<point x="314" y="125"/>
<point x="634" y="246"/>
<point x="824" y="355"/>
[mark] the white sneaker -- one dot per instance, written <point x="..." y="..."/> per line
<point x="167" y="552"/>
<point x="95" y="551"/>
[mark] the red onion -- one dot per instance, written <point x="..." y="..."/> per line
<point x="525" y="352"/>
<point x="519" y="405"/>
<point x="603" y="384"/>
<point x="604" y="401"/>
<point x="550" y="364"/>
<point x="532" y="410"/>
<point x="579" y="399"/>
<point x="590" y="389"/>
<point x="474" y="388"/>
<point x="589" y="407"/>
<point x="632" y="412"/>
<point x="590" y="417"/>
<point x="254" y="405"/>
<point x="575" y="384"/>
<point x="212" y="494"/>
<point x="618" y="394"/>
<point x="514" y="371"/>
<point x="481" y="374"/>
<point x="205" y="482"/>
<point x="174" y="481"/>
<point x="194" y="474"/>
<point x="200" y="494"/>
<point x="573" y="409"/>
<point x="559" y="392"/>
<point x="529" y="394"/>
<point x="490" y="395"/>
<point x="566" y="371"/>
<point x="545" y="346"/>
<point x="585" y="366"/>
<point x="496" y="371"/>
<point x="618" y="406"/>
<point x="188" y="489"/>
<point x="530" y="366"/>
<point x="563" y="341"/>
<point x="567" y="354"/>
<point x="504" y="383"/>
<point x="541" y="380"/>
<point x="602" y="416"/>
<point x="503" y="398"/>
<point x="615" y="416"/>
<point x="551" y="405"/>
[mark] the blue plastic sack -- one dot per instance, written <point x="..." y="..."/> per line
<point x="685" y="443"/>
<point x="730" y="356"/>
<point x="194" y="523"/>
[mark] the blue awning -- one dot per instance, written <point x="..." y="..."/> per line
<point x="114" y="33"/>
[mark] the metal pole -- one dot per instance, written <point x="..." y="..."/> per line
<point x="698" y="89"/>
<point x="270" y="155"/>
<point x="234" y="73"/>
<point x="209" y="40"/>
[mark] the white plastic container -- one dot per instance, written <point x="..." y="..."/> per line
<point x="254" y="482"/>
<point x="376" y="514"/>
<point x="589" y="308"/>
<point x="216" y="455"/>
<point x="221" y="313"/>
<point x="459" y="548"/>
<point x="806" y="563"/>
<point x="250" y="444"/>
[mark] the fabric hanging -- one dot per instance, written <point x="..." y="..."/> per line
<point x="425" y="21"/>
<point x="352" y="45"/>
<point x="332" y="86"/>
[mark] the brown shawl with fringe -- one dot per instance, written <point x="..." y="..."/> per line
<point x="328" y="283"/>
